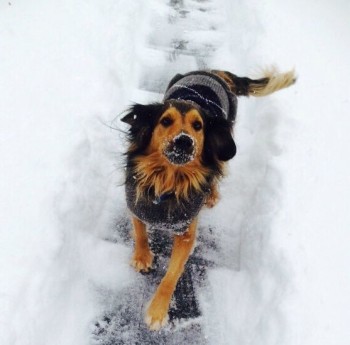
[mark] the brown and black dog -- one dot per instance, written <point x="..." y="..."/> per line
<point x="176" y="156"/>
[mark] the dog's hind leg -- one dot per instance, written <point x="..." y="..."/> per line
<point x="157" y="311"/>
<point x="143" y="257"/>
<point x="213" y="197"/>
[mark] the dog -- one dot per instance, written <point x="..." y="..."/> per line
<point x="176" y="156"/>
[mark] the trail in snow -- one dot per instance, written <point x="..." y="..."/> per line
<point x="68" y="69"/>
<point x="74" y="266"/>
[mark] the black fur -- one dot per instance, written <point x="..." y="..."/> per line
<point x="218" y="142"/>
<point x="142" y="120"/>
<point x="243" y="85"/>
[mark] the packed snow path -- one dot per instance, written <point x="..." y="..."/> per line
<point x="68" y="68"/>
<point x="191" y="29"/>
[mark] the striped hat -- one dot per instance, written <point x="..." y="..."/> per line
<point x="205" y="89"/>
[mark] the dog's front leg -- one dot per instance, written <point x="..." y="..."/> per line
<point x="143" y="257"/>
<point x="157" y="312"/>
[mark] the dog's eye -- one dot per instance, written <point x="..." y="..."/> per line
<point x="166" y="121"/>
<point x="197" y="125"/>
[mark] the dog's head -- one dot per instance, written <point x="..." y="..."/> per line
<point x="179" y="131"/>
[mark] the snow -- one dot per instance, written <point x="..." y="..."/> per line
<point x="316" y="171"/>
<point x="69" y="68"/>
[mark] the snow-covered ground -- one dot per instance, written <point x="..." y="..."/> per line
<point x="68" y="68"/>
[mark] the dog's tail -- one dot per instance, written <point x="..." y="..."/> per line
<point x="271" y="82"/>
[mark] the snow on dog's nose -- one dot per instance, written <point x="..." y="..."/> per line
<point x="184" y="143"/>
<point x="181" y="149"/>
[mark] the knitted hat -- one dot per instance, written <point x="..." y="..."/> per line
<point x="205" y="89"/>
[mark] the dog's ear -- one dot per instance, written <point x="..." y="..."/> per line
<point x="142" y="119"/>
<point x="140" y="115"/>
<point x="219" y="140"/>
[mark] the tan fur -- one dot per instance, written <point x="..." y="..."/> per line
<point x="143" y="257"/>
<point x="213" y="197"/>
<point x="223" y="75"/>
<point x="156" y="171"/>
<point x="157" y="312"/>
<point x="181" y="122"/>
<point x="276" y="81"/>
<point x="153" y="170"/>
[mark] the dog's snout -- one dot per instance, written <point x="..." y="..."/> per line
<point x="184" y="142"/>
<point x="181" y="149"/>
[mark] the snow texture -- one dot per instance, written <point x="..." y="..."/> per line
<point x="68" y="68"/>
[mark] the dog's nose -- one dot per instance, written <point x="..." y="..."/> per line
<point x="184" y="143"/>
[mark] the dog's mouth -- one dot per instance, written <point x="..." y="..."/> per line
<point x="180" y="150"/>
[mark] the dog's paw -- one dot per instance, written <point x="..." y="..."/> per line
<point x="142" y="261"/>
<point x="157" y="315"/>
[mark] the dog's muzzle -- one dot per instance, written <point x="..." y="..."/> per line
<point x="180" y="150"/>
